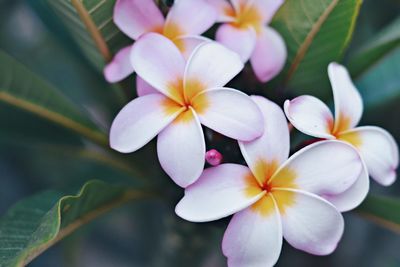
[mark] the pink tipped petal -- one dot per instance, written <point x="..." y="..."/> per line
<point x="253" y="239"/>
<point x="120" y="66"/>
<point x="267" y="8"/>
<point x="191" y="17"/>
<point x="143" y="88"/>
<point x="269" y="55"/>
<point x="240" y="40"/>
<point x="353" y="196"/>
<point x="348" y="102"/>
<point x="135" y="17"/>
<point x="312" y="224"/>
<point x="219" y="192"/>
<point x="326" y="167"/>
<point x="188" y="43"/>
<point x="310" y="115"/>
<point x="379" y="151"/>
<point x="181" y="149"/>
<point x="158" y="61"/>
<point x="213" y="65"/>
<point x="231" y="113"/>
<point x="139" y="122"/>
<point x="274" y="144"/>
<point x="224" y="10"/>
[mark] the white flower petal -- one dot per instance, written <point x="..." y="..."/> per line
<point x="310" y="115"/>
<point x="253" y="239"/>
<point x="353" y="196"/>
<point x="273" y="145"/>
<point x="311" y="223"/>
<point x="181" y="149"/>
<point x="190" y="17"/>
<point x="140" y="121"/>
<point x="158" y="61"/>
<point x="231" y="113"/>
<point x="348" y="102"/>
<point x="188" y="43"/>
<point x="224" y="10"/>
<point x="120" y="66"/>
<point x="135" y="17"/>
<point x="326" y="167"/>
<point x="267" y="8"/>
<point x="211" y="65"/>
<point x="219" y="192"/>
<point x="269" y="55"/>
<point x="240" y="40"/>
<point x="378" y="149"/>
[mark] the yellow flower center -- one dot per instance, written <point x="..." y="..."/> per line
<point x="266" y="178"/>
<point x="246" y="16"/>
<point x="186" y="96"/>
<point x="339" y="128"/>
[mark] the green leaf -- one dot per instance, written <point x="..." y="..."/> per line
<point x="376" y="66"/>
<point x="316" y="33"/>
<point x="384" y="211"/>
<point x="38" y="222"/>
<point x="372" y="52"/>
<point x="91" y="25"/>
<point x="21" y="88"/>
<point x="380" y="82"/>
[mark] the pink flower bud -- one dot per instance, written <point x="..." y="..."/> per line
<point x="213" y="157"/>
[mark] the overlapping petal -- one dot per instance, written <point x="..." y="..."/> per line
<point x="253" y="239"/>
<point x="230" y="112"/>
<point x="144" y="88"/>
<point x="135" y="17"/>
<point x="314" y="168"/>
<point x="353" y="196"/>
<point x="189" y="17"/>
<point x="273" y="145"/>
<point x="219" y="192"/>
<point x="158" y="61"/>
<point x="240" y="40"/>
<point x="378" y="149"/>
<point x="181" y="149"/>
<point x="348" y="102"/>
<point x="120" y="67"/>
<point x="140" y="121"/>
<point x="311" y="223"/>
<point x="269" y="55"/>
<point x="188" y="43"/>
<point x="310" y="115"/>
<point x="211" y="65"/>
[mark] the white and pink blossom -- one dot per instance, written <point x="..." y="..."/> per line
<point x="245" y="31"/>
<point x="275" y="196"/>
<point x="185" y="22"/>
<point x="376" y="146"/>
<point x="189" y="93"/>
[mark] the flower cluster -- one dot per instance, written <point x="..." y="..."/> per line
<point x="180" y="82"/>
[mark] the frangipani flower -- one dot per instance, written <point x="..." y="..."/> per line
<point x="185" y="21"/>
<point x="275" y="196"/>
<point x="376" y="146"/>
<point x="246" y="33"/>
<point x="188" y="94"/>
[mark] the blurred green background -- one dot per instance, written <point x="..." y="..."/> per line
<point x="37" y="155"/>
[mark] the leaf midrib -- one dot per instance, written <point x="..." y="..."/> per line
<point x="301" y="52"/>
<point x="96" y="136"/>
